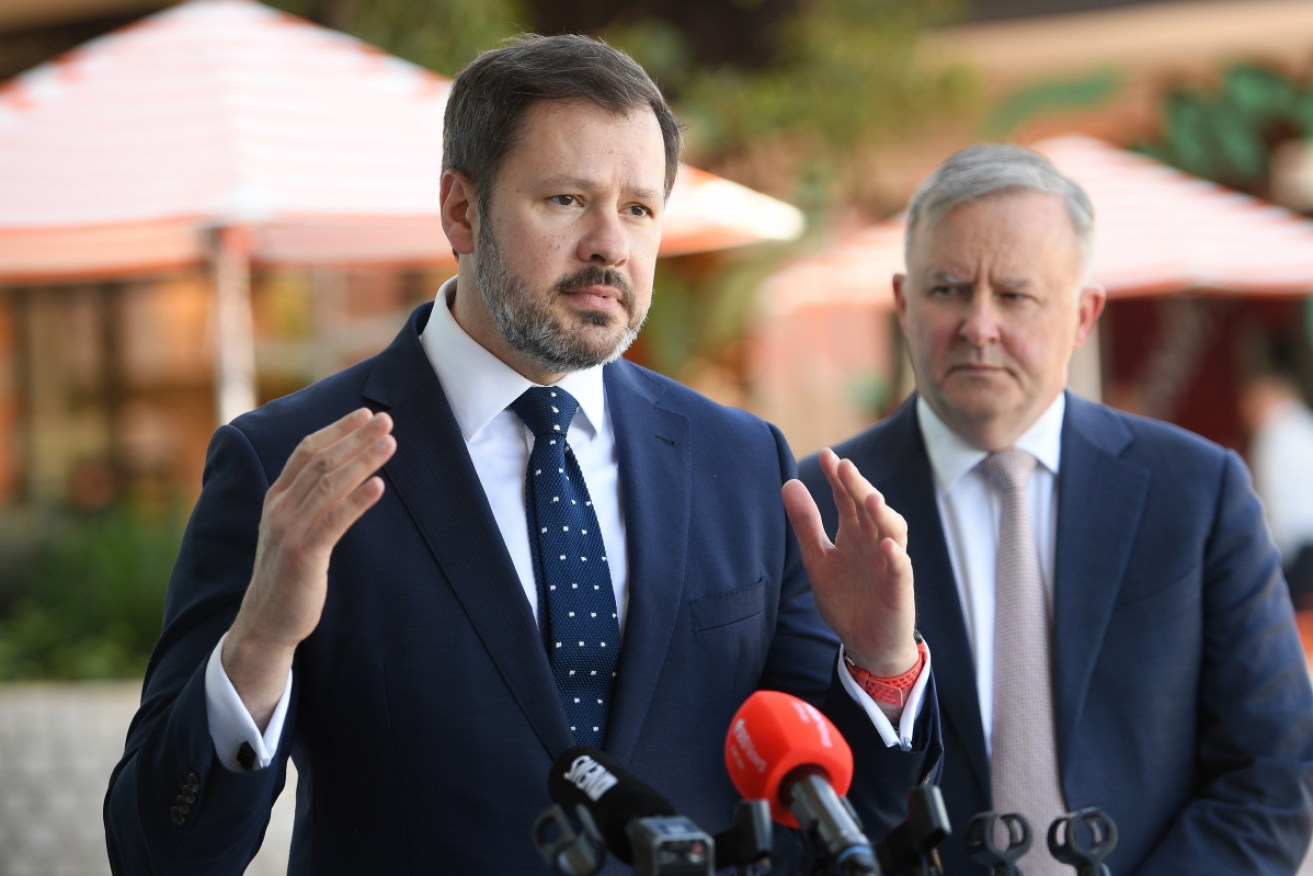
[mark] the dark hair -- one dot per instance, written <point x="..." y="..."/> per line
<point x="489" y="98"/>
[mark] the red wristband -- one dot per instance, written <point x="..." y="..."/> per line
<point x="891" y="691"/>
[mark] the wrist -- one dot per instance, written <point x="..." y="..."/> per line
<point x="889" y="689"/>
<point x="257" y="671"/>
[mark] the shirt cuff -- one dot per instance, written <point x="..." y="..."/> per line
<point x="882" y="720"/>
<point x="238" y="743"/>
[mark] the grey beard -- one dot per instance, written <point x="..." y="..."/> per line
<point x="534" y="331"/>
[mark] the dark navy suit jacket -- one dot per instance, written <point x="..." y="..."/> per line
<point x="424" y="715"/>
<point x="1182" y="696"/>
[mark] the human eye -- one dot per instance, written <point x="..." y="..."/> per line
<point x="564" y="200"/>
<point x="641" y="211"/>
<point x="1014" y="297"/>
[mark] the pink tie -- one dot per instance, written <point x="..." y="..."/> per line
<point x="1024" y="762"/>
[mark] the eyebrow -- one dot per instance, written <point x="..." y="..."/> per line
<point x="947" y="279"/>
<point x="584" y="184"/>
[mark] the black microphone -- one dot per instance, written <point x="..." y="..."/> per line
<point x="634" y="822"/>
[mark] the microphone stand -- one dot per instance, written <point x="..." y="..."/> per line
<point x="566" y="852"/>
<point x="746" y="844"/>
<point x="909" y="849"/>
<point x="830" y="829"/>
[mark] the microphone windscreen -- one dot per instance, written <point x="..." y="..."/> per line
<point x="774" y="733"/>
<point x="612" y="795"/>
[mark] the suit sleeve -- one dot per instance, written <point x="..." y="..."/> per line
<point x="171" y="806"/>
<point x="1252" y="810"/>
<point x="883" y="775"/>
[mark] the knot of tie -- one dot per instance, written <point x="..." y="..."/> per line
<point x="546" y="410"/>
<point x="1009" y="469"/>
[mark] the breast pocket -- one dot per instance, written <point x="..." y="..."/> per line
<point x="723" y="609"/>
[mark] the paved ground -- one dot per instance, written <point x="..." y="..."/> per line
<point x="58" y="744"/>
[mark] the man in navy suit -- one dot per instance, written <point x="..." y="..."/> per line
<point x="1178" y="697"/>
<point x="357" y="588"/>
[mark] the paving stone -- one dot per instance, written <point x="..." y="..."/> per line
<point x="58" y="744"/>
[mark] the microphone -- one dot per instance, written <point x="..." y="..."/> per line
<point x="633" y="821"/>
<point x="783" y="750"/>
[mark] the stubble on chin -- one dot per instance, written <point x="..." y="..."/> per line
<point x="544" y="329"/>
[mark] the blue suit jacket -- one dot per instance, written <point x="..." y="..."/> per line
<point x="424" y="714"/>
<point x="1182" y="696"/>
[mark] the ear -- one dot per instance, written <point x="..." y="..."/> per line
<point x="459" y="205"/>
<point x="1089" y="307"/>
<point x="900" y="295"/>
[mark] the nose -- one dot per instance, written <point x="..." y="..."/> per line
<point x="604" y="240"/>
<point x="980" y="322"/>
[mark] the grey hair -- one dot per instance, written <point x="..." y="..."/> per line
<point x="485" y="111"/>
<point x="990" y="168"/>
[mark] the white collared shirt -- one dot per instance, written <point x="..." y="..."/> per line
<point x="480" y="388"/>
<point x="970" y="511"/>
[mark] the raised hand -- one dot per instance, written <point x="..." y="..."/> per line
<point x="327" y="484"/>
<point x="862" y="580"/>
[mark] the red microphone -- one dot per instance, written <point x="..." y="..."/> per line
<point x="772" y="735"/>
<point x="783" y="750"/>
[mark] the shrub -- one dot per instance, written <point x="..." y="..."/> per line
<point x="81" y="594"/>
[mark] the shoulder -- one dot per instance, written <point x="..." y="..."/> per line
<point x="634" y="384"/>
<point x="1138" y="437"/>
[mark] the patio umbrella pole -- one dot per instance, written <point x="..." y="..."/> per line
<point x="234" y="347"/>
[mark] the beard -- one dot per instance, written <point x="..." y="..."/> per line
<point x="528" y="324"/>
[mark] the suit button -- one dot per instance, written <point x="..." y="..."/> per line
<point x="193" y="782"/>
<point x="177" y="816"/>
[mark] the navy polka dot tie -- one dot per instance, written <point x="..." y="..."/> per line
<point x="574" y="583"/>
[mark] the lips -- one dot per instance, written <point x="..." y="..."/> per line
<point x="597" y="298"/>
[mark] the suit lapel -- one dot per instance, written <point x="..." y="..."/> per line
<point x="432" y="474"/>
<point x="1100" y="502"/>
<point x="898" y="465"/>
<point x="655" y="470"/>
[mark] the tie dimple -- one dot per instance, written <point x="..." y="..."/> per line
<point x="570" y="566"/>
<point x="1023" y="761"/>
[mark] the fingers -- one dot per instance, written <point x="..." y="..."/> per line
<point x="805" y="518"/>
<point x="859" y="503"/>
<point x="328" y="483"/>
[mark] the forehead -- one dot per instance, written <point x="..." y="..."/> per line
<point x="578" y="139"/>
<point x="1023" y="228"/>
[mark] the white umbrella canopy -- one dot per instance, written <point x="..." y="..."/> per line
<point x="1159" y="231"/>
<point x="1162" y="231"/>
<point x="226" y="113"/>
<point x="226" y="132"/>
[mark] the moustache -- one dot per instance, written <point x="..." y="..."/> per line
<point x="595" y="276"/>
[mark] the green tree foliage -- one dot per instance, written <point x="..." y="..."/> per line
<point x="1227" y="133"/>
<point x="841" y="77"/>
<point x="442" y="36"/>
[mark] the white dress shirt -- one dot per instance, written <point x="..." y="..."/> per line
<point x="966" y="501"/>
<point x="480" y="388"/>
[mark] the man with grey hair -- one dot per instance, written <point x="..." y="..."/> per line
<point x="428" y="577"/>
<point x="1110" y="623"/>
